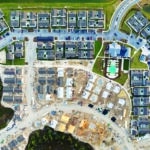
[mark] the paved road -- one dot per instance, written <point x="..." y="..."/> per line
<point x="120" y="11"/>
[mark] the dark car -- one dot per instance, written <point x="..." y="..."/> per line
<point x="90" y="105"/>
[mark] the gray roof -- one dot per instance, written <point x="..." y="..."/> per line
<point x="139" y="78"/>
<point x="95" y="14"/>
<point x="42" y="80"/>
<point x="9" y="71"/>
<point x="58" y="13"/>
<point x="18" y="89"/>
<point x="82" y="23"/>
<point x="96" y="23"/>
<point x="58" y="22"/>
<point x="42" y="16"/>
<point x="18" y="71"/>
<point x="43" y="24"/>
<point x="14" y="15"/>
<point x="134" y="24"/>
<point x="10" y="56"/>
<point x="12" y="144"/>
<point x="84" y="54"/>
<point x="42" y="70"/>
<point x="72" y="14"/>
<point x="8" y="98"/>
<point x="51" y="80"/>
<point x="17" y="99"/>
<point x="4" y="148"/>
<point x="141" y="101"/>
<point x="51" y="70"/>
<point x="137" y="21"/>
<point x="142" y="19"/>
<point x="60" y="81"/>
<point x="81" y="14"/>
<point x="140" y="111"/>
<point x="146" y="31"/>
<point x="50" y="89"/>
<point x="18" y="81"/>
<point x="14" y="23"/>
<point x="40" y="89"/>
<point x="20" y="139"/>
<point x="59" y="45"/>
<point x="8" y="89"/>
<point x="86" y="45"/>
<point x="141" y="91"/>
<point x="46" y="55"/>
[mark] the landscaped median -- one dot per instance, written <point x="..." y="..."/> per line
<point x="98" y="45"/>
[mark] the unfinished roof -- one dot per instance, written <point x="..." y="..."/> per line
<point x="65" y="119"/>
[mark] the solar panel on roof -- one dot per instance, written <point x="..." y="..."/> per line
<point x="42" y="80"/>
<point x="8" y="98"/>
<point x="8" y="89"/>
<point x="20" y="138"/>
<point x="4" y="148"/>
<point x="9" y="71"/>
<point x="45" y="39"/>
<point x="42" y="70"/>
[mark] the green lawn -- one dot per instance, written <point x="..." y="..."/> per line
<point x="146" y="11"/>
<point x="132" y="51"/>
<point x="122" y="79"/>
<point x="135" y="62"/>
<point x="98" y="66"/>
<point x="103" y="50"/>
<point x="56" y="1"/>
<point x="17" y="61"/>
<point x="98" y="45"/>
<point x="126" y="64"/>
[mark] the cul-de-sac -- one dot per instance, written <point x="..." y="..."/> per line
<point x="75" y="75"/>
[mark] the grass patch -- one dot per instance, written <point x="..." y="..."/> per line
<point x="98" y="45"/>
<point x="98" y="66"/>
<point x="123" y="26"/>
<point x="146" y="11"/>
<point x="135" y="62"/>
<point x="126" y="64"/>
<point x="132" y="51"/>
<point x="122" y="79"/>
<point x="102" y="52"/>
<point x="56" y="1"/>
<point x="17" y="61"/>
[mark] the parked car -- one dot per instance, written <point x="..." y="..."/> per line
<point x="90" y="105"/>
